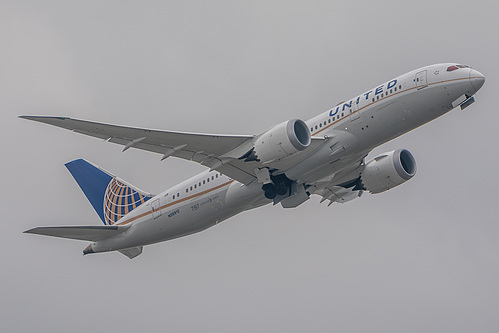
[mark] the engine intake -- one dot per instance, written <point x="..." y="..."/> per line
<point x="388" y="170"/>
<point x="282" y="140"/>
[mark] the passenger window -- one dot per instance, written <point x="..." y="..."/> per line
<point x="195" y="186"/>
<point x="204" y="182"/>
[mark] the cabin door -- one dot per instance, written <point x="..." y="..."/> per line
<point x="156" y="208"/>
<point x="354" y="110"/>
<point x="421" y="80"/>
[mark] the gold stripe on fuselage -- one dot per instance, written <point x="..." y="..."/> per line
<point x="175" y="202"/>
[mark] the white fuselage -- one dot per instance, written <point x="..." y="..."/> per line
<point x="353" y="128"/>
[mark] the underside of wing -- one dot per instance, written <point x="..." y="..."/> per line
<point x="343" y="186"/>
<point x="339" y="194"/>
<point x="219" y="152"/>
<point x="206" y="149"/>
<point x="88" y="233"/>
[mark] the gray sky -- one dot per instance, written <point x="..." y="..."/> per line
<point x="418" y="258"/>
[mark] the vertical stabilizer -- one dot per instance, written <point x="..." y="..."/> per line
<point x="111" y="197"/>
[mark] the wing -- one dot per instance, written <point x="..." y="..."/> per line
<point x="343" y="186"/>
<point x="218" y="152"/>
<point x="89" y="233"/>
<point x="339" y="194"/>
<point x="206" y="149"/>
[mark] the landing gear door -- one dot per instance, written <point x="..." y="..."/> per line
<point x="156" y="209"/>
<point x="421" y="80"/>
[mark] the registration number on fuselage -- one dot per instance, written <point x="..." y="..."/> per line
<point x="173" y="213"/>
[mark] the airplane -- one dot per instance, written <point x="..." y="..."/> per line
<point x="286" y="164"/>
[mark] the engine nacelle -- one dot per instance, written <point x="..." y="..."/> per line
<point x="282" y="141"/>
<point x="388" y="170"/>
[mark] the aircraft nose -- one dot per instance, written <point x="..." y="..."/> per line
<point x="477" y="79"/>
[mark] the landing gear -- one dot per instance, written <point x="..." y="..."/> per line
<point x="270" y="190"/>
<point x="281" y="189"/>
<point x="280" y="186"/>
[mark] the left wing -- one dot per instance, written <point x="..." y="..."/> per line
<point x="207" y="149"/>
<point x="219" y="152"/>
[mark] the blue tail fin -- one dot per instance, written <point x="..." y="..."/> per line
<point x="111" y="197"/>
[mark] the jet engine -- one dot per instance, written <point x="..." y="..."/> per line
<point x="281" y="141"/>
<point x="388" y="170"/>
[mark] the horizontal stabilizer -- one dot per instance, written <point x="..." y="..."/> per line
<point x="88" y="233"/>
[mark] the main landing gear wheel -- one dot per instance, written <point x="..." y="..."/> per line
<point x="281" y="188"/>
<point x="270" y="191"/>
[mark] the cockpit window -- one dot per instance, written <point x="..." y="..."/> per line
<point x="453" y="68"/>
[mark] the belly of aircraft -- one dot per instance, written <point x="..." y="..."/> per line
<point x="197" y="215"/>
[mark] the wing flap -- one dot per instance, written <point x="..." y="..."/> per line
<point x="87" y="233"/>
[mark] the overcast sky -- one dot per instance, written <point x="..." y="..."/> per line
<point x="419" y="258"/>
